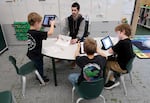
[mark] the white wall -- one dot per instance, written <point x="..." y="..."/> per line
<point x="97" y="10"/>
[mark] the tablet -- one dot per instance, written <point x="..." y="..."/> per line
<point x="47" y="19"/>
<point x="82" y="48"/>
<point x="106" y="43"/>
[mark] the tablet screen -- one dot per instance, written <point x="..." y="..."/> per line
<point x="47" y="19"/>
<point x="106" y="42"/>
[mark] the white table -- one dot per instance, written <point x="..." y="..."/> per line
<point x="55" y="51"/>
<point x="51" y="49"/>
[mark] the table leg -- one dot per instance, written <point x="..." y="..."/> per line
<point x="54" y="71"/>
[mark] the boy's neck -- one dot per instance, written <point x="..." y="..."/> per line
<point x="90" y="56"/>
<point x="124" y="37"/>
<point x="32" y="28"/>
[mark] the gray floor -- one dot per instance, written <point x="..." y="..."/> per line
<point x="138" y="92"/>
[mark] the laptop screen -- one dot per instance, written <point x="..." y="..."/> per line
<point x="107" y="43"/>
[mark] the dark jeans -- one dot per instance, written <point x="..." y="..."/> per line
<point x="38" y="62"/>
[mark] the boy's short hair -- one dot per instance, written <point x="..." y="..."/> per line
<point x="34" y="17"/>
<point x="124" y="27"/>
<point x="90" y="46"/>
<point x="75" y="4"/>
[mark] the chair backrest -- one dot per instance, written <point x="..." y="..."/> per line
<point x="6" y="97"/>
<point x="90" y="90"/>
<point x="13" y="61"/>
<point x="130" y="64"/>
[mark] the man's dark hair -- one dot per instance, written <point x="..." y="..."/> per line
<point x="75" y="4"/>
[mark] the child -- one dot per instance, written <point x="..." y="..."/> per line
<point x="92" y="60"/>
<point x="123" y="50"/>
<point x="35" y="37"/>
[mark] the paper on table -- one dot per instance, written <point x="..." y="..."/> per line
<point x="55" y="49"/>
<point x="63" y="40"/>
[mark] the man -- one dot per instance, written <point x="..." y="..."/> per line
<point x="74" y="24"/>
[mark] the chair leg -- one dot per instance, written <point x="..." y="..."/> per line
<point x="130" y="77"/>
<point x="103" y="98"/>
<point x="79" y="99"/>
<point x="124" y="86"/>
<point x="39" y="77"/>
<point x="23" y="85"/>
<point x="73" y="89"/>
<point x="108" y="76"/>
<point x="13" y="99"/>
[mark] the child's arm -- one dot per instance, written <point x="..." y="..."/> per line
<point x="77" y="52"/>
<point x="111" y="51"/>
<point x="100" y="52"/>
<point x="51" y="30"/>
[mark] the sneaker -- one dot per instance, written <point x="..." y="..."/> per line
<point x="111" y="84"/>
<point x="45" y="79"/>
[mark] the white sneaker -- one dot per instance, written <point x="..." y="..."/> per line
<point x="111" y="85"/>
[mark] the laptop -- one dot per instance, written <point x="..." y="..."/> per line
<point x="47" y="19"/>
<point x="106" y="43"/>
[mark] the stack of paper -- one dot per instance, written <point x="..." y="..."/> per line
<point x="63" y="40"/>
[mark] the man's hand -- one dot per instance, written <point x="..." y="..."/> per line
<point x="73" y="41"/>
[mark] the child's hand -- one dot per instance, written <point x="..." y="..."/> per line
<point x="100" y="52"/>
<point x="51" y="29"/>
<point x="110" y="51"/>
<point x="52" y="22"/>
<point x="98" y="49"/>
<point x="77" y="52"/>
<point x="79" y="44"/>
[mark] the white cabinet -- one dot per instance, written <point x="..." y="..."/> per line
<point x="19" y="11"/>
<point x="6" y="13"/>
